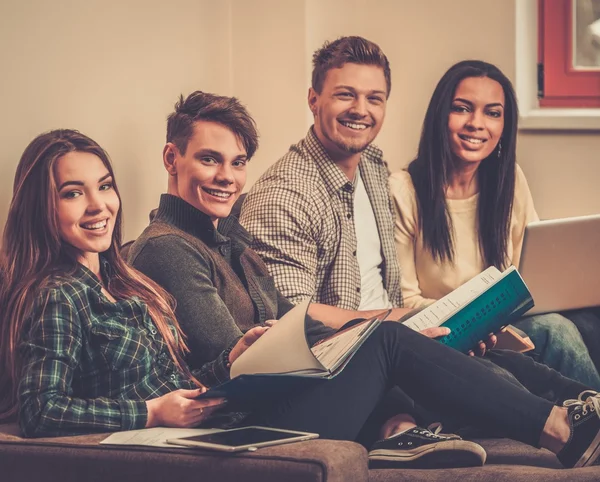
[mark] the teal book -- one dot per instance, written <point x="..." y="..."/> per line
<point x="483" y="305"/>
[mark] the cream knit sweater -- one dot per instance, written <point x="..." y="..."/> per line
<point x="425" y="280"/>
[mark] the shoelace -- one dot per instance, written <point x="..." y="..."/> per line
<point x="434" y="430"/>
<point x="435" y="427"/>
<point x="587" y="400"/>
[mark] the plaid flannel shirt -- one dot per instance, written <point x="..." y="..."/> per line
<point x="300" y="213"/>
<point x="89" y="363"/>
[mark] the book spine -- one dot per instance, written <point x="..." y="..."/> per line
<point x="496" y="307"/>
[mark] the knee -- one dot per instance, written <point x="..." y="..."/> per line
<point x="396" y="333"/>
<point x="554" y="332"/>
<point x="552" y="325"/>
<point x="393" y="328"/>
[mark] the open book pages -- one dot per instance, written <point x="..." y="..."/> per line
<point x="331" y="351"/>
<point x="437" y="313"/>
<point x="283" y="349"/>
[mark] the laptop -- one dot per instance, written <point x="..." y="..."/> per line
<point x="560" y="263"/>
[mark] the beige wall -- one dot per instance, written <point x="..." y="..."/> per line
<point x="113" y="69"/>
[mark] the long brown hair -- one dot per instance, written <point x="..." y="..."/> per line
<point x="33" y="254"/>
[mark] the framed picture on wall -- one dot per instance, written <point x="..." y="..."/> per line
<point x="585" y="35"/>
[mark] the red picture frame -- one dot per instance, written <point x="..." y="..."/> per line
<point x="562" y="85"/>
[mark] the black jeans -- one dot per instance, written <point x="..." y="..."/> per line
<point x="436" y="377"/>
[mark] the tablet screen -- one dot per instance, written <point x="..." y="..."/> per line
<point x="243" y="436"/>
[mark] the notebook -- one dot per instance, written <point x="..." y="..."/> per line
<point x="560" y="263"/>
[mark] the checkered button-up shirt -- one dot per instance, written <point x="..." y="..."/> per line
<point x="301" y="214"/>
<point x="89" y="363"/>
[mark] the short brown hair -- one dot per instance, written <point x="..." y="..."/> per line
<point x="202" y="106"/>
<point x="355" y="50"/>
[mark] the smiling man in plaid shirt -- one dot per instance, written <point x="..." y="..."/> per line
<point x="305" y="210"/>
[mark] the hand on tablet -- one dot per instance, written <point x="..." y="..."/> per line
<point x="180" y="409"/>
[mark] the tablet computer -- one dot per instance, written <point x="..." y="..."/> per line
<point x="245" y="438"/>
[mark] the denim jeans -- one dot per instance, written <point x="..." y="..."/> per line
<point x="559" y="345"/>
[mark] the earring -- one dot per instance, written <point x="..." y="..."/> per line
<point x="499" y="148"/>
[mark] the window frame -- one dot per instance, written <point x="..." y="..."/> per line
<point x="532" y="115"/>
<point x="563" y="85"/>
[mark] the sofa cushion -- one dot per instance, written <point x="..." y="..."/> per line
<point x="73" y="459"/>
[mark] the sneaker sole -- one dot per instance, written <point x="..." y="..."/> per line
<point x="591" y="454"/>
<point x="448" y="454"/>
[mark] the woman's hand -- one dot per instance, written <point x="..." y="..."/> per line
<point x="483" y="347"/>
<point x="246" y="341"/>
<point x="181" y="409"/>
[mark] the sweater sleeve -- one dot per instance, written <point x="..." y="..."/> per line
<point x="523" y="213"/>
<point x="209" y="327"/>
<point x="52" y="352"/>
<point x="406" y="235"/>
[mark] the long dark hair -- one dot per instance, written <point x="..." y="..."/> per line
<point x="431" y="170"/>
<point x="33" y="253"/>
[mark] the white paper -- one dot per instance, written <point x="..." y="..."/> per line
<point x="154" y="437"/>
<point x="282" y="349"/>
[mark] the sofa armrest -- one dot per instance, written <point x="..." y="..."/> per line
<point x="72" y="459"/>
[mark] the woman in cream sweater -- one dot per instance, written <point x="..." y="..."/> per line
<point x="462" y="205"/>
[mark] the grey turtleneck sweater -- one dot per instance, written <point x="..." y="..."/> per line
<point x="221" y="286"/>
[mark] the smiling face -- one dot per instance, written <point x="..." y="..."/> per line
<point x="350" y="109"/>
<point x="476" y="119"/>
<point x="87" y="204"/>
<point x="212" y="173"/>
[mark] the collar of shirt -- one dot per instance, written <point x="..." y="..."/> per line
<point x="87" y="276"/>
<point x="335" y="180"/>
<point x="229" y="235"/>
<point x="177" y="212"/>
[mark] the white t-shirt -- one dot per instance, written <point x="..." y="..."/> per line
<point x="373" y="295"/>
